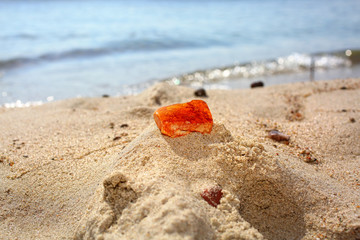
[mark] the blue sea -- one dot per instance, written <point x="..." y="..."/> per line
<point x="57" y="49"/>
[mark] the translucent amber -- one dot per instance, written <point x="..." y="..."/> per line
<point x="181" y="119"/>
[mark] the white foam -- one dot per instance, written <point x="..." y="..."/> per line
<point x="20" y="104"/>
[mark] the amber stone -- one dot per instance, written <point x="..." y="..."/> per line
<point x="181" y="119"/>
<point x="212" y="196"/>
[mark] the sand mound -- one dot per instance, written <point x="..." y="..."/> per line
<point x="154" y="192"/>
<point x="162" y="198"/>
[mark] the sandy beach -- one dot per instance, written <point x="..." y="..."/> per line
<point x="99" y="168"/>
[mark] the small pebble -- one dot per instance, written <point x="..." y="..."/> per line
<point x="112" y="125"/>
<point x="257" y="84"/>
<point x="278" y="136"/>
<point x="306" y="156"/>
<point x="343" y="88"/>
<point x="157" y="100"/>
<point x="120" y="136"/>
<point x="212" y="196"/>
<point x="310" y="160"/>
<point x="124" y="125"/>
<point x="105" y="95"/>
<point x="200" y="93"/>
<point x="352" y="120"/>
<point x="116" y="138"/>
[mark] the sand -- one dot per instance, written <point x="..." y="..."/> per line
<point x="98" y="168"/>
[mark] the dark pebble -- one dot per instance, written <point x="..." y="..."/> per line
<point x="200" y="93"/>
<point x="157" y="100"/>
<point x="120" y="136"/>
<point x="278" y="136"/>
<point x="25" y="156"/>
<point x="344" y="110"/>
<point x="343" y="88"/>
<point x="112" y="125"/>
<point x="352" y="120"/>
<point x="105" y="95"/>
<point x="124" y="125"/>
<point x="257" y="84"/>
<point x="116" y="138"/>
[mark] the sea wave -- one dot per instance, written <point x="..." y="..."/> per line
<point x="293" y="63"/>
<point x="114" y="47"/>
<point x="21" y="36"/>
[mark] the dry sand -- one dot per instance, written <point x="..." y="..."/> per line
<point x="100" y="169"/>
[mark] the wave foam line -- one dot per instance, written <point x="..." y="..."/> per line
<point x="290" y="64"/>
<point x="20" y="104"/>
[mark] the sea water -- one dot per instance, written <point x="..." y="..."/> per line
<point x="57" y="49"/>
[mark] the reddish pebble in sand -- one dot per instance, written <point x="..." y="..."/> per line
<point x="212" y="196"/>
<point x="181" y="119"/>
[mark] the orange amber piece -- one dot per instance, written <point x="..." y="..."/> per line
<point x="181" y="119"/>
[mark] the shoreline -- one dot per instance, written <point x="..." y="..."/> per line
<point x="98" y="167"/>
<point x="279" y="70"/>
